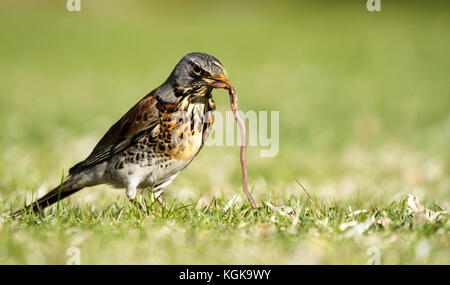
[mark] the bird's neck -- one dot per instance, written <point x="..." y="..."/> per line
<point x="166" y="93"/>
<point x="171" y="94"/>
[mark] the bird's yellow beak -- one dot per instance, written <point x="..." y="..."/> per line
<point x="220" y="81"/>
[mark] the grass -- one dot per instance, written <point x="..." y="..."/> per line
<point x="302" y="230"/>
<point x="364" y="124"/>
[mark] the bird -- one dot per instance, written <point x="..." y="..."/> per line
<point x="155" y="140"/>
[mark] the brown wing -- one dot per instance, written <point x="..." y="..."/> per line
<point x="135" y="124"/>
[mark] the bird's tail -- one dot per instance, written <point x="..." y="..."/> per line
<point x="64" y="190"/>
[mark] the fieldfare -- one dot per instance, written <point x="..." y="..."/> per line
<point x="156" y="139"/>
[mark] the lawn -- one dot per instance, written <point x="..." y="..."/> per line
<point x="363" y="169"/>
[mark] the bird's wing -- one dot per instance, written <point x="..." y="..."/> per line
<point x="135" y="124"/>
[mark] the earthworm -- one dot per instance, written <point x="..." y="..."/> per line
<point x="240" y="122"/>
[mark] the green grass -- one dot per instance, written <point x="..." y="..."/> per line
<point x="220" y="232"/>
<point x="364" y="122"/>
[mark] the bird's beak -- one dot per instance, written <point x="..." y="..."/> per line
<point x="220" y="82"/>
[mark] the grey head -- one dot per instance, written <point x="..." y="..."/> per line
<point x="195" y="74"/>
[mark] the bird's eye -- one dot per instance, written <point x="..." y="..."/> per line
<point x="197" y="70"/>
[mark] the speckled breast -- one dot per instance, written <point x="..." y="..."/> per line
<point x="182" y="133"/>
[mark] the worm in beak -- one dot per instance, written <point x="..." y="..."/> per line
<point x="223" y="82"/>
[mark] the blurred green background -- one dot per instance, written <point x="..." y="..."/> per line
<point x="364" y="98"/>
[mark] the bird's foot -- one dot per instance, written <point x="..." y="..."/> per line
<point x="141" y="208"/>
<point x="161" y="202"/>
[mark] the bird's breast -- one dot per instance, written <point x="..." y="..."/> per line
<point x="184" y="131"/>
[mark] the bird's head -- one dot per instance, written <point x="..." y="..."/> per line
<point x="195" y="74"/>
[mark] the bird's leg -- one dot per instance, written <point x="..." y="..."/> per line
<point x="160" y="200"/>
<point x="131" y="194"/>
